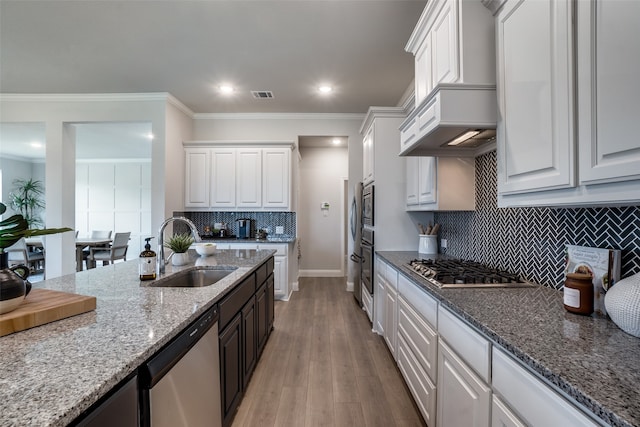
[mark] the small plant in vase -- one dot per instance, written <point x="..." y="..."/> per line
<point x="179" y="244"/>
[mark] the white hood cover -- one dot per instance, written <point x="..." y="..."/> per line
<point x="448" y="113"/>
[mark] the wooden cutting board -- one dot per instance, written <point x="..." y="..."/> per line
<point x="43" y="306"/>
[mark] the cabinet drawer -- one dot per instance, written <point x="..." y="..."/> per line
<point x="261" y="274"/>
<point x="419" y="300"/>
<point x="392" y="277"/>
<point x="421" y="338"/>
<point x="501" y="415"/>
<point x="467" y="343"/>
<point x="535" y="402"/>
<point x="422" y="389"/>
<point x="280" y="248"/>
<point x="233" y="303"/>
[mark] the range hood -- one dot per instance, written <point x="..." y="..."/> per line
<point x="455" y="120"/>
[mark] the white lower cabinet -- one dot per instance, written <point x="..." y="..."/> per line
<point x="535" y="402"/>
<point x="391" y="318"/>
<point x="501" y="415"/>
<point x="464" y="399"/>
<point x="419" y="383"/>
<point x="379" y="296"/>
<point x="281" y="276"/>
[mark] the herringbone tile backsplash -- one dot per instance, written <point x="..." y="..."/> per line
<point x="532" y="241"/>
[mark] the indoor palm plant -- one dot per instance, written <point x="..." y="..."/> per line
<point x="14" y="228"/>
<point x="27" y="199"/>
<point x="179" y="243"/>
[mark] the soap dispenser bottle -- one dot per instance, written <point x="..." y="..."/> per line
<point x="147" y="266"/>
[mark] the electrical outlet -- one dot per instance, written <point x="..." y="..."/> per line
<point x="279" y="229"/>
<point x="443" y="243"/>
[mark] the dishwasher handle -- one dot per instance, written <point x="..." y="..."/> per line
<point x="162" y="362"/>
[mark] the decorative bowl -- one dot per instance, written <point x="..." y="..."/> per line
<point x="622" y="302"/>
<point x="206" y="249"/>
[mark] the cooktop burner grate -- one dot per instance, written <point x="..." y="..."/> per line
<point x="451" y="273"/>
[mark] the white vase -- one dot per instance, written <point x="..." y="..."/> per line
<point x="622" y="302"/>
<point x="179" y="259"/>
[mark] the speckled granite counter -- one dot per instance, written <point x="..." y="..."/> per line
<point x="270" y="239"/>
<point x="51" y="374"/>
<point x="588" y="358"/>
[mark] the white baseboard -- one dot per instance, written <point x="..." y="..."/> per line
<point x="321" y="273"/>
<point x="349" y="286"/>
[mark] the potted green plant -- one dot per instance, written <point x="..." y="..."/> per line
<point x="179" y="243"/>
<point x="16" y="227"/>
<point x="27" y="199"/>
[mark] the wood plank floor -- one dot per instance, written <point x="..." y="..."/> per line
<point x="322" y="366"/>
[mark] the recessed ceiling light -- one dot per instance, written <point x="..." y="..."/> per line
<point x="325" y="89"/>
<point x="150" y="136"/>
<point x="226" y="89"/>
<point x="36" y="144"/>
<point x="336" y="141"/>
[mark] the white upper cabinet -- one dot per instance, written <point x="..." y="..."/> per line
<point x="440" y="183"/>
<point x="248" y="177"/>
<point x="608" y="90"/>
<point x="197" y="165"/>
<point x="535" y="92"/>
<point x="368" y="156"/>
<point x="453" y="42"/>
<point x="223" y="177"/>
<point x="276" y="187"/>
<point x="558" y="146"/>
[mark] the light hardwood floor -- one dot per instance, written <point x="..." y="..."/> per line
<point x="322" y="366"/>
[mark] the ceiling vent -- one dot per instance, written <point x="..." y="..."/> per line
<point x="262" y="94"/>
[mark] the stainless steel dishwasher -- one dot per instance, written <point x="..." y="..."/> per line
<point x="180" y="385"/>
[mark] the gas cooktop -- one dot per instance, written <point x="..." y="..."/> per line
<point x="455" y="273"/>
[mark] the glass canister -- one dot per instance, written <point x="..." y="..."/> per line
<point x="578" y="293"/>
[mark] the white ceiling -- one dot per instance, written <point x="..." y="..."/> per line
<point x="190" y="47"/>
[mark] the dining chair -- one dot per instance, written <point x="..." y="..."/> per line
<point x="95" y="234"/>
<point x="19" y="253"/>
<point x="117" y="250"/>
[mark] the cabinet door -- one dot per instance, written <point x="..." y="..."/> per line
<point x="608" y="90"/>
<point x="196" y="193"/>
<point x="270" y="303"/>
<point x="276" y="180"/>
<point x="261" y="316"/>
<point x="223" y="177"/>
<point x="427" y="184"/>
<point x="535" y="137"/>
<point x="249" y="178"/>
<point x="501" y="415"/>
<point x="423" y="71"/>
<point x="421" y="386"/>
<point x="368" y="156"/>
<point x="281" y="277"/>
<point x="391" y="319"/>
<point x="412" y="181"/>
<point x="444" y="39"/>
<point x="230" y="368"/>
<point x="463" y="398"/>
<point x="249" y="340"/>
<point x="379" y="299"/>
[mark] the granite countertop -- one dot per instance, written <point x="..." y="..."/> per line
<point x="52" y="373"/>
<point x="587" y="357"/>
<point x="270" y="239"/>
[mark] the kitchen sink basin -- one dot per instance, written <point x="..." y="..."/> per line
<point x="194" y="278"/>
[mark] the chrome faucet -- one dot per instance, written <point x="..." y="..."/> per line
<point x="196" y="237"/>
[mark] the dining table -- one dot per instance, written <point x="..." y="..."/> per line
<point x="81" y="244"/>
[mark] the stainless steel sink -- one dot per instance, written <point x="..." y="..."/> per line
<point x="194" y="278"/>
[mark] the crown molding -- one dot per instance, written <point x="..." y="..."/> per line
<point x="84" y="97"/>
<point x="278" y="116"/>
<point x="381" y="112"/>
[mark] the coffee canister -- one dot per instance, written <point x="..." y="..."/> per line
<point x="578" y="293"/>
